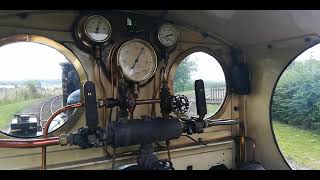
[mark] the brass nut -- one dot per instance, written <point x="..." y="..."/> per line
<point x="63" y="139"/>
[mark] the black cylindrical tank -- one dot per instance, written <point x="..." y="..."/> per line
<point x="143" y="131"/>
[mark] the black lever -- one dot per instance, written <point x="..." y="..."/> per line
<point x="90" y="104"/>
<point x="200" y="98"/>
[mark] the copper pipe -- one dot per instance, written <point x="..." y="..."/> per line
<point x="51" y="118"/>
<point x="111" y="75"/>
<point x="46" y="128"/>
<point x="29" y="143"/>
<point x="242" y="142"/>
<point x="148" y="101"/>
<point x="117" y="95"/>
<point x="153" y="107"/>
<point x="252" y="141"/>
<point x="112" y="87"/>
<point x="43" y="158"/>
<point x="103" y="96"/>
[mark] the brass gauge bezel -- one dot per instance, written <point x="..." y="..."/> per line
<point x="87" y="20"/>
<point x="81" y="36"/>
<point x="153" y="53"/>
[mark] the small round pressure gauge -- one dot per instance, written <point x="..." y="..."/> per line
<point x="137" y="60"/>
<point x="97" y="28"/>
<point x="168" y="35"/>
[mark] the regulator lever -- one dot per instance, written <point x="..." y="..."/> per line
<point x="90" y="104"/>
<point x="200" y="98"/>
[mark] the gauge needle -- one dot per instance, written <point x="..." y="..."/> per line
<point x="136" y="60"/>
<point x="98" y="27"/>
<point x="167" y="35"/>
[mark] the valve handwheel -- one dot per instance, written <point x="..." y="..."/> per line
<point x="180" y="104"/>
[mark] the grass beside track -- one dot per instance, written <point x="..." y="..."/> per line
<point x="298" y="145"/>
<point x="212" y="108"/>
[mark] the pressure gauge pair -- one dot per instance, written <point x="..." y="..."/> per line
<point x="92" y="30"/>
<point x="97" y="29"/>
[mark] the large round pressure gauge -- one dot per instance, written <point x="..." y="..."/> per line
<point x="168" y="35"/>
<point x="97" y="28"/>
<point x="137" y="60"/>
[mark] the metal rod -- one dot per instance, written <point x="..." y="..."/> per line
<point x="147" y="101"/>
<point x="219" y="122"/>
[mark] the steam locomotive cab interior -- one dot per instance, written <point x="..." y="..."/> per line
<point x="143" y="90"/>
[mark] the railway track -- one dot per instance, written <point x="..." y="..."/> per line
<point x="49" y="106"/>
<point x="55" y="106"/>
<point x="42" y="111"/>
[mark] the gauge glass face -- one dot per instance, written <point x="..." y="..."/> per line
<point x="137" y="60"/>
<point x="168" y="35"/>
<point x="98" y="28"/>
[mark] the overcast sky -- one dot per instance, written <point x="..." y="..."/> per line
<point x="311" y="52"/>
<point x="29" y="61"/>
<point x="26" y="61"/>
<point x="208" y="67"/>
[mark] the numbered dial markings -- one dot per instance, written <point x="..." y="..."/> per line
<point x="168" y="35"/>
<point x="98" y="28"/>
<point x="137" y="60"/>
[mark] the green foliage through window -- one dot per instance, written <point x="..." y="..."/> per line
<point x="296" y="97"/>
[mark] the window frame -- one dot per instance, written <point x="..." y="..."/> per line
<point x="174" y="65"/>
<point x="71" y="57"/>
<point x="272" y="95"/>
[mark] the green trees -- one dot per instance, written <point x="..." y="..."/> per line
<point x="25" y="91"/>
<point x="182" y="81"/>
<point x="296" y="98"/>
<point x="32" y="88"/>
